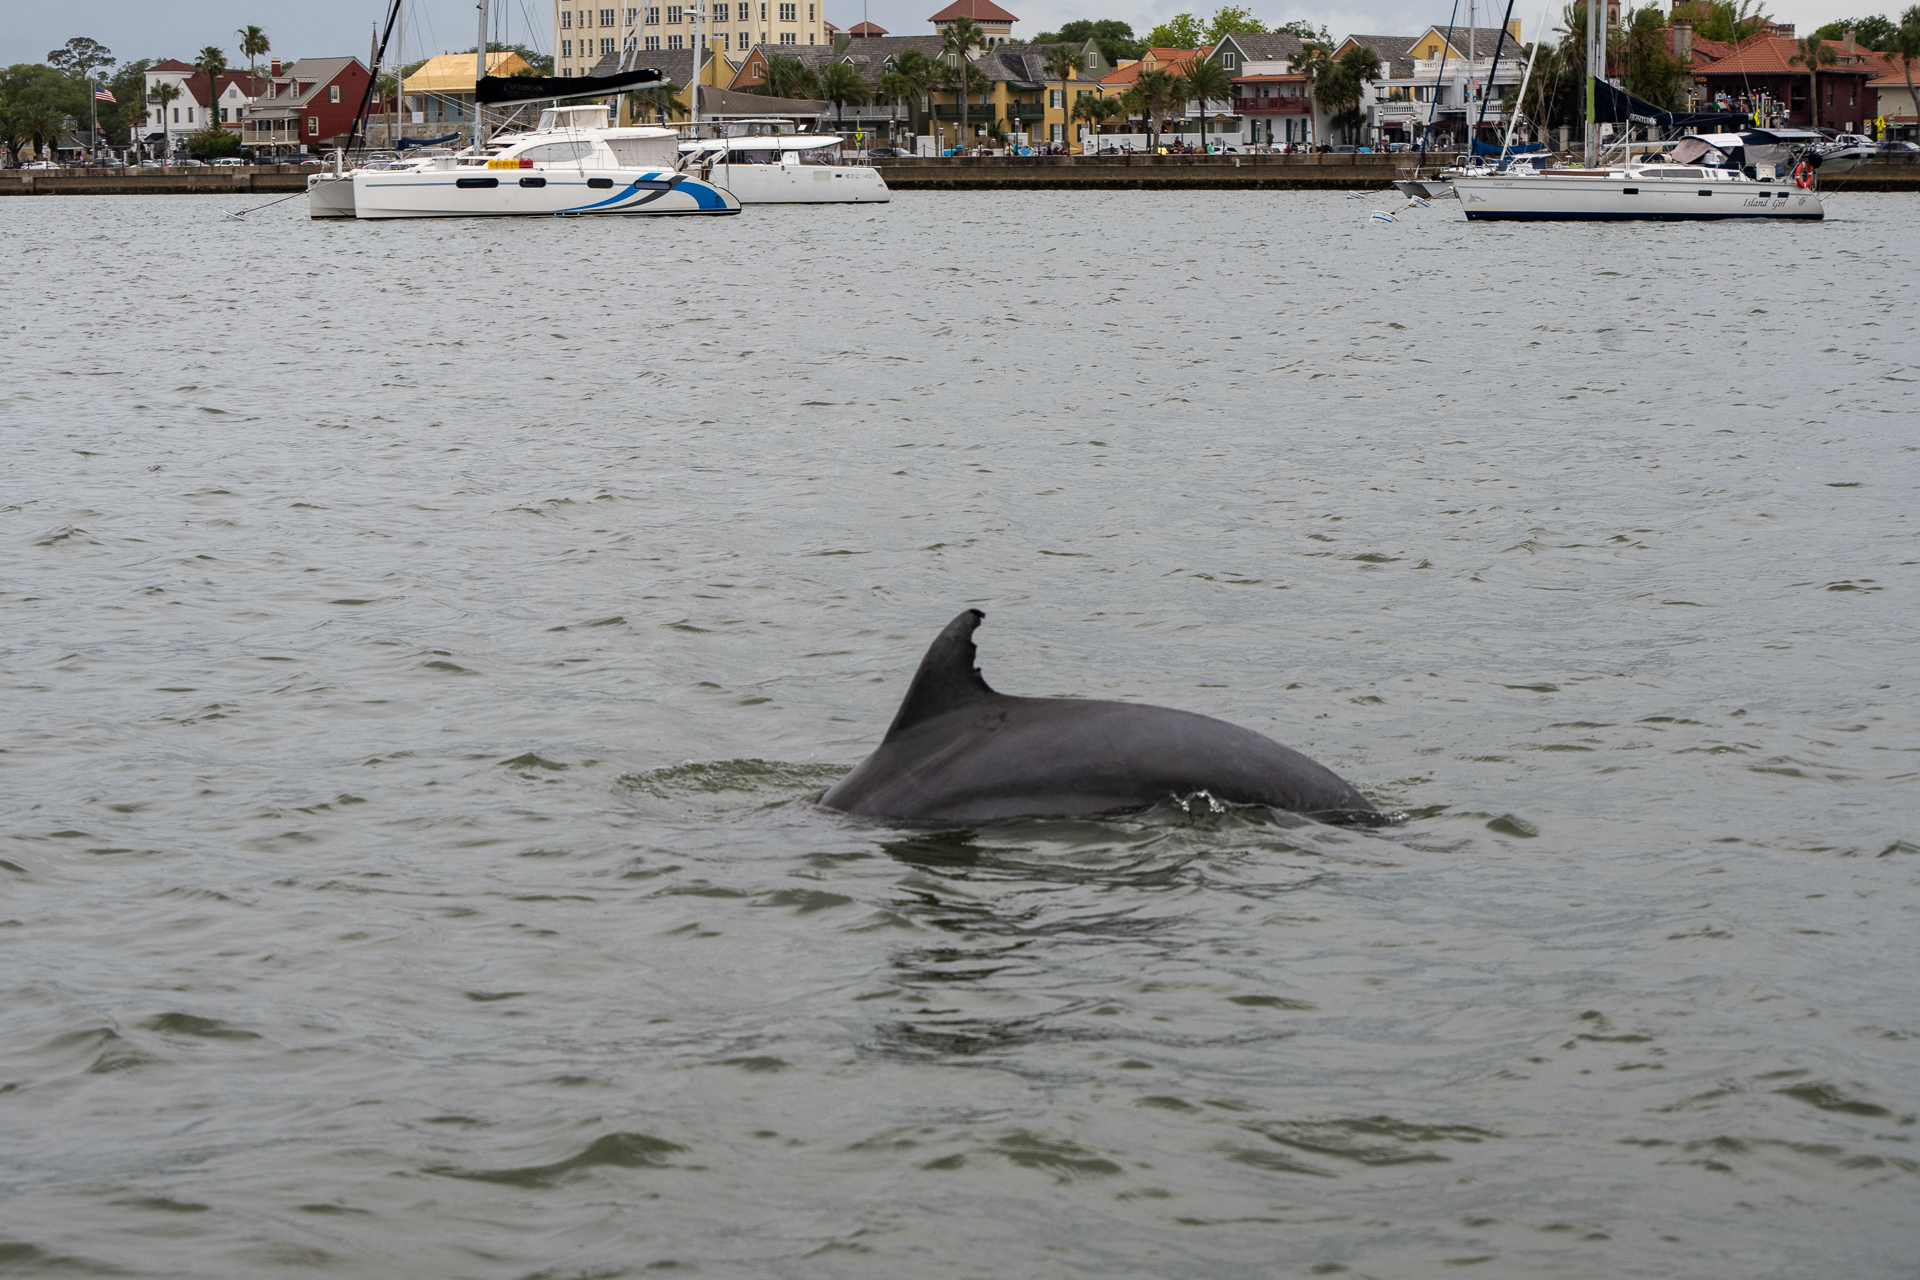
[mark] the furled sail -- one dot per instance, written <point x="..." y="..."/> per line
<point x="530" y="88"/>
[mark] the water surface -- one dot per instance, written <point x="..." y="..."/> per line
<point x="421" y="640"/>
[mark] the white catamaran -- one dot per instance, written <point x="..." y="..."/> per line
<point x="571" y="163"/>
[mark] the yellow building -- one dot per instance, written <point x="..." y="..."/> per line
<point x="1022" y="96"/>
<point x="1454" y="42"/>
<point x="582" y="36"/>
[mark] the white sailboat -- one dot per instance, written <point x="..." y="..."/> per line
<point x="571" y="163"/>
<point x="770" y="162"/>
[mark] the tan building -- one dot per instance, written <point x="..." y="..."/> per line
<point x="582" y="36"/>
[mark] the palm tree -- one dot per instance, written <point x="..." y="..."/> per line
<point x="790" y="78"/>
<point x="163" y="93"/>
<point x="963" y="81"/>
<point x="1093" y="109"/>
<point x="1206" y="79"/>
<point x="41" y="124"/>
<point x="253" y="43"/>
<point x="1814" y="53"/>
<point x="841" y="85"/>
<point x="1152" y="96"/>
<point x="1904" y="44"/>
<point x="961" y="35"/>
<point x="911" y="76"/>
<point x="212" y="64"/>
<point x="1062" y="64"/>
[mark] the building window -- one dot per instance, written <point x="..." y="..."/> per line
<point x="333" y="93"/>
<point x="787" y="12"/>
<point x="653" y="44"/>
<point x="189" y="115"/>
<point x="809" y="17"/>
<point x="313" y="125"/>
<point x="744" y="42"/>
<point x="673" y="42"/>
<point x="1093" y="62"/>
<point x="566" y="48"/>
<point x="653" y="15"/>
<point x="606" y="45"/>
<point x="1229" y="60"/>
<point x="1057" y="133"/>
<point x="606" y="17"/>
<point x="789" y="37"/>
<point x="675" y="14"/>
<point x="567" y="71"/>
<point x="566" y="19"/>
<point x="632" y="16"/>
<point x="176" y="115"/>
<point x="628" y="43"/>
<point x="763" y="13"/>
<point x="1053" y="98"/>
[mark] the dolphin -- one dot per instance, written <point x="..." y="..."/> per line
<point x="958" y="751"/>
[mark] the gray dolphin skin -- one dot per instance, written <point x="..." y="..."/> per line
<point x="958" y="751"/>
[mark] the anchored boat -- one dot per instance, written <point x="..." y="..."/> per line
<point x="770" y="162"/>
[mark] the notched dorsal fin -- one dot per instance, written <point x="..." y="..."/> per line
<point x="947" y="679"/>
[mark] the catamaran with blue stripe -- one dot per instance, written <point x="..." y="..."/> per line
<point x="570" y="163"/>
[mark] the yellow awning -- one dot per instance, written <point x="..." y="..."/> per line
<point x="453" y="72"/>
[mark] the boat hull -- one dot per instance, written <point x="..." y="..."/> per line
<point x="801" y="183"/>
<point x="1625" y="198"/>
<point x="330" y="195"/>
<point x="1424" y="188"/>
<point x="473" y="192"/>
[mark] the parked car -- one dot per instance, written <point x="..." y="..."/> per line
<point x="188" y="162"/>
<point x="44" y="164"/>
<point x="229" y="162"/>
<point x="153" y="164"/>
<point x="1894" y="147"/>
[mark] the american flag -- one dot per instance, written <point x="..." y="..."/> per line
<point x="103" y="94"/>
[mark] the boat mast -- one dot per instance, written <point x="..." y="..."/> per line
<point x="699" y="47"/>
<point x="1513" y="116"/>
<point x="1596" y="67"/>
<point x="479" y="74"/>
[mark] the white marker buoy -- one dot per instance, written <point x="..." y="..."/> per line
<point x="1381" y="215"/>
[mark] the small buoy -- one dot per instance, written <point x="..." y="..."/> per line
<point x="1381" y="215"/>
<point x="1354" y="195"/>
<point x="1418" y="202"/>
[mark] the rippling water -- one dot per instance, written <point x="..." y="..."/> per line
<point x="420" y="641"/>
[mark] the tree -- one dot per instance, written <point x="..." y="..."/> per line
<point x="1812" y="53"/>
<point x="1204" y="80"/>
<point x="1152" y="97"/>
<point x="1904" y="46"/>
<point x="79" y="57"/>
<point x="1092" y="109"/>
<point x="790" y="78"/>
<point x="1712" y="19"/>
<point x="961" y="36"/>
<point x="911" y="76"/>
<point x="1304" y="31"/>
<point x="253" y="43"/>
<point x="1113" y="37"/>
<point x="212" y="64"/>
<point x="1181" y="31"/>
<point x="841" y="85"/>
<point x="1231" y="20"/>
<point x="1063" y="64"/>
<point x="963" y="82"/>
<point x="1873" y="33"/>
<point x="1647" y="67"/>
<point x="41" y="123"/>
<point x="129" y="106"/>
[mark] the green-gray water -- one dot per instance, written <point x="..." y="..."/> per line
<point x="420" y="640"/>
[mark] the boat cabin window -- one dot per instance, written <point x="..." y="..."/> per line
<point x="753" y="157"/>
<point x="1674" y="173"/>
<point x="820" y="155"/>
<point x="557" y="152"/>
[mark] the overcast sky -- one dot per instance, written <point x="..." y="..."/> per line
<point x="146" y="30"/>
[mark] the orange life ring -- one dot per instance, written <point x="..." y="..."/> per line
<point x="1803" y="175"/>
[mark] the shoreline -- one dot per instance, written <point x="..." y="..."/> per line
<point x="964" y="173"/>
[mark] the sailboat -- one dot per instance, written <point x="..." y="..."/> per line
<point x="1737" y="173"/>
<point x="573" y="162"/>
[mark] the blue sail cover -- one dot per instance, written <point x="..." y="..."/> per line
<point x="1617" y="106"/>
<point x="408" y="143"/>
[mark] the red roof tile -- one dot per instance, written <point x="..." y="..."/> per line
<point x="978" y="10"/>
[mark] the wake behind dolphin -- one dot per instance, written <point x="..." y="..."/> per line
<point x="958" y="751"/>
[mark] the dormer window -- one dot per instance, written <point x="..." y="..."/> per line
<point x="1229" y="60"/>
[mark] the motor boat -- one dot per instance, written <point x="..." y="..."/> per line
<point x="768" y="162"/>
<point x="570" y="163"/>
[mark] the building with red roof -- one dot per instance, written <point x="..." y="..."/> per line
<point x="1760" y="70"/>
<point x="994" y="22"/>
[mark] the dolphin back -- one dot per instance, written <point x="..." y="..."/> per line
<point x="958" y="751"/>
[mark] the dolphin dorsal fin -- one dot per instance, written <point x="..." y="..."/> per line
<point x="947" y="679"/>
